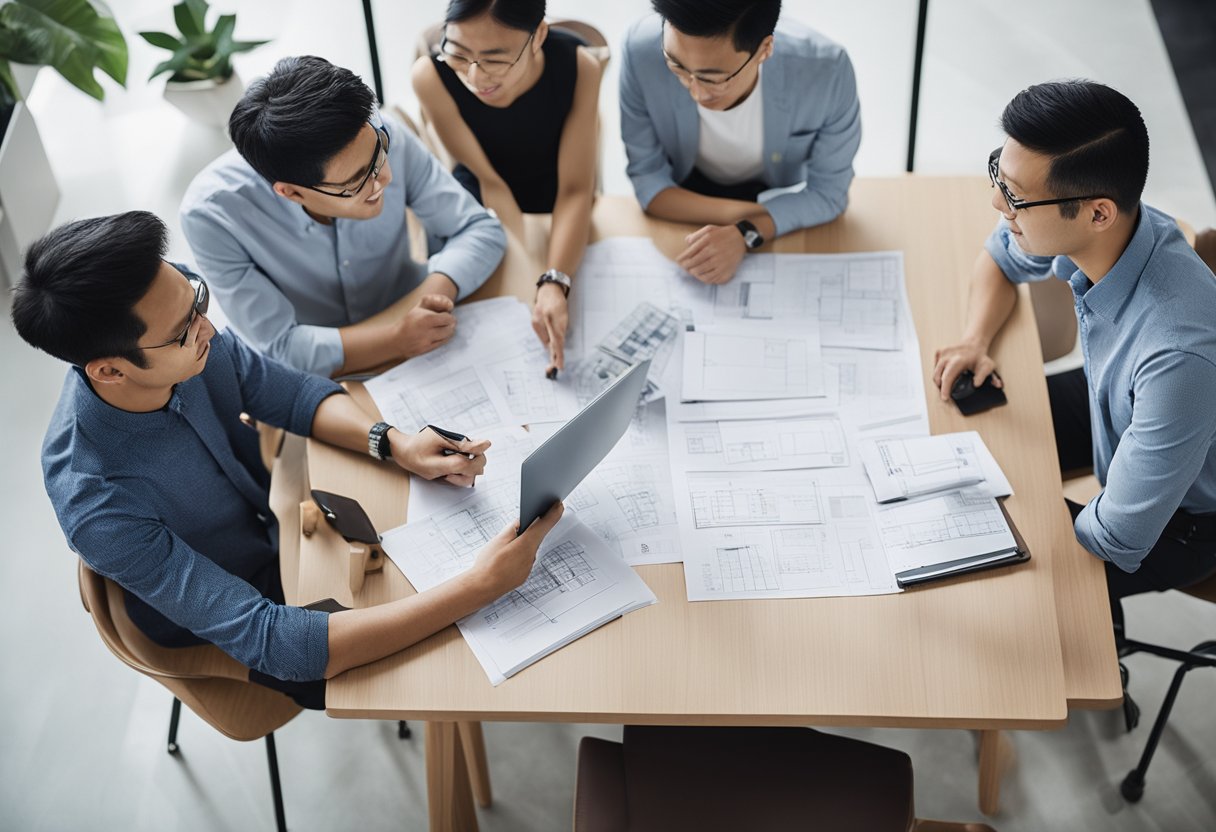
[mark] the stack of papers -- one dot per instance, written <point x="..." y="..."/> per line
<point x="904" y="467"/>
<point x="576" y="585"/>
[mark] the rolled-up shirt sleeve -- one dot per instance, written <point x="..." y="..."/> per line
<point x="277" y="394"/>
<point x="1017" y="265"/>
<point x="472" y="240"/>
<point x="133" y="548"/>
<point x="256" y="308"/>
<point x="1158" y="458"/>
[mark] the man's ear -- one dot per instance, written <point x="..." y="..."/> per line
<point x="1103" y="213"/>
<point x="106" y="370"/>
<point x="765" y="51"/>
<point x="289" y="191"/>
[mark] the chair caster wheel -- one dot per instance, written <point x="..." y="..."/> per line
<point x="1132" y="787"/>
<point x="403" y="730"/>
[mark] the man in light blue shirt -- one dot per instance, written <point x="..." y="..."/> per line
<point x="159" y="486"/>
<point x="1067" y="183"/>
<point x="302" y="228"/>
<point x="736" y="124"/>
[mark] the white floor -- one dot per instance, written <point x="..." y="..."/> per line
<point x="83" y="736"/>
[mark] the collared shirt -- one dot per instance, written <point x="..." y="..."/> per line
<point x="287" y="282"/>
<point x="173" y="505"/>
<point x="1150" y="360"/>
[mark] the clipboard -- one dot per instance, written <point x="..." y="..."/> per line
<point x="965" y="566"/>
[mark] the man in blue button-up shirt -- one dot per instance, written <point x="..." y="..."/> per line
<point x="302" y="232"/>
<point x="1067" y="183"/>
<point x="158" y="484"/>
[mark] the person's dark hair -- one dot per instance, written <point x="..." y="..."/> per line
<point x="1095" y="137"/>
<point x="748" y="22"/>
<point x="81" y="283"/>
<point x="289" y="124"/>
<point x="524" y="15"/>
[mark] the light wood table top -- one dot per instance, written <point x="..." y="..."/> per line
<point x="1009" y="648"/>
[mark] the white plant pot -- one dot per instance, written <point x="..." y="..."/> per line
<point x="207" y="102"/>
<point x="28" y="191"/>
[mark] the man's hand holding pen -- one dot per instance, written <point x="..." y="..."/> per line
<point x="434" y="452"/>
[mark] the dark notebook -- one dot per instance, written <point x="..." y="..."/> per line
<point x="975" y="563"/>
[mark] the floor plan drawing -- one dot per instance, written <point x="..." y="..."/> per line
<point x="750" y="361"/>
<point x="761" y="444"/>
<point x="752" y="500"/>
<point x="463" y="398"/>
<point x="951" y="526"/>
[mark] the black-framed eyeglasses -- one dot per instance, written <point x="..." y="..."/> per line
<point x="379" y="160"/>
<point x="1015" y="204"/>
<point x="202" y="300"/>
<point x="687" y="76"/>
<point x="493" y="67"/>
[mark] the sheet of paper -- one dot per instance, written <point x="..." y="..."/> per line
<point x="759" y="444"/>
<point x="858" y="299"/>
<point x="903" y="467"/>
<point x="751" y="361"/>
<point x="780" y="534"/>
<point x="576" y="585"/>
<point x="955" y="525"/>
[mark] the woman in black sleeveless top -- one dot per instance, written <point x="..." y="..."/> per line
<point x="515" y="104"/>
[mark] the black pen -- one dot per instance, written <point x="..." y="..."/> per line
<point x="452" y="435"/>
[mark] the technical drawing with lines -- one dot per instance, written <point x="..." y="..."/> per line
<point x="751" y="361"/>
<point x="951" y="526"/>
<point x="752" y="500"/>
<point x="761" y="444"/>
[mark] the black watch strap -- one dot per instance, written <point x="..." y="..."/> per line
<point x="751" y="235"/>
<point x="377" y="441"/>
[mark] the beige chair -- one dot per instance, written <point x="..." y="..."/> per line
<point x="758" y="779"/>
<point x="211" y="683"/>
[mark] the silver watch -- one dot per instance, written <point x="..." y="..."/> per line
<point x="554" y="276"/>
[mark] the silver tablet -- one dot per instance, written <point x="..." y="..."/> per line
<point x="556" y="468"/>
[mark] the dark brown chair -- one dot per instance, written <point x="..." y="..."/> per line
<point x="662" y="779"/>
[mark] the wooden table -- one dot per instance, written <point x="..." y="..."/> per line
<point x="1011" y="648"/>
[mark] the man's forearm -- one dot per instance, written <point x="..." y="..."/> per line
<point x="357" y="637"/>
<point x="992" y="300"/>
<point x="375" y="341"/>
<point x="683" y="205"/>
<point x="340" y="421"/>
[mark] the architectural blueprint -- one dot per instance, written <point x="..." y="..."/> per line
<point x="952" y="526"/>
<point x="751" y="360"/>
<point x="904" y="467"/>
<point x="759" y="444"/>
<point x="576" y="585"/>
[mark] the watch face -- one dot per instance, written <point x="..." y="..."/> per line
<point x="752" y="238"/>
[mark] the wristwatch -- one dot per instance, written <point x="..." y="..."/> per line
<point x="377" y="441"/>
<point x="751" y="235"/>
<point x="554" y="276"/>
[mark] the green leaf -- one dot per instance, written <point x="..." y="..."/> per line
<point x="174" y="65"/>
<point x="73" y="36"/>
<point x="246" y="45"/>
<point x="187" y="22"/>
<point x="162" y="40"/>
<point x="8" y="84"/>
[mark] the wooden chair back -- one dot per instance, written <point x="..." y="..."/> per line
<point x="208" y="681"/>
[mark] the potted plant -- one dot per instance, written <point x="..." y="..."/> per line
<point x="202" y="82"/>
<point x="76" y="38"/>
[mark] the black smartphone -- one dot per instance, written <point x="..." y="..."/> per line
<point x="971" y="399"/>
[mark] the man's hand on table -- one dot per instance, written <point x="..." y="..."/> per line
<point x="950" y="361"/>
<point x="426" y="326"/>
<point x="713" y="253"/>
<point x="505" y="562"/>
<point x="422" y="454"/>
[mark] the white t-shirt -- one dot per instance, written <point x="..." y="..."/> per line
<point x="731" y="147"/>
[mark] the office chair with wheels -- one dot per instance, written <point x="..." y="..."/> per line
<point x="759" y="779"/>
<point x="211" y="683"/>
<point x="1202" y="655"/>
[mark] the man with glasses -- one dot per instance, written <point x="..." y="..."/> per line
<point x="302" y="232"/>
<point x="1067" y="183"/>
<point x="159" y="486"/>
<point x="738" y="126"/>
